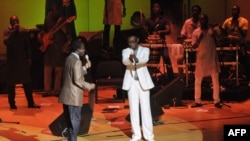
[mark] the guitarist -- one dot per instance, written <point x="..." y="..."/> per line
<point x="53" y="56"/>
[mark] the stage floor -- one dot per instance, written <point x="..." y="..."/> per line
<point x="176" y="124"/>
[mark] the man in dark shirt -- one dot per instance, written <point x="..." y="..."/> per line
<point x="157" y="24"/>
<point x="54" y="57"/>
<point x="16" y="40"/>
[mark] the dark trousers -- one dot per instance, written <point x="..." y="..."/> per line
<point x="106" y="36"/>
<point x="73" y="118"/>
<point x="27" y="90"/>
<point x="167" y="61"/>
<point x="245" y="60"/>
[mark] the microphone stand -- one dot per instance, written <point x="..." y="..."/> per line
<point x="1" y="121"/>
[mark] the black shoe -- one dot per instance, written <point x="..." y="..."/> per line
<point x="34" y="106"/>
<point x="196" y="105"/>
<point x="218" y="105"/>
<point x="13" y="107"/>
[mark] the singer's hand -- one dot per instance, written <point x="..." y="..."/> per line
<point x="92" y="86"/>
<point x="88" y="64"/>
<point x="133" y="58"/>
<point x="15" y="27"/>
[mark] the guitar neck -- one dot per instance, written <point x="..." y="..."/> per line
<point x="58" y="28"/>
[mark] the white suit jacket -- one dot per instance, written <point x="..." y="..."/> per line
<point x="141" y="68"/>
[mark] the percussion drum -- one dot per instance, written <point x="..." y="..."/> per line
<point x="154" y="39"/>
<point x="187" y="43"/>
<point x="155" y="55"/>
<point x="156" y="51"/>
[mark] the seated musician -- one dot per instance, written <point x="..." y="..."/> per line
<point x="158" y="25"/>
<point x="236" y="27"/>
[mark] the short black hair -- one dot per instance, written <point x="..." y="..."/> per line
<point x="198" y="7"/>
<point x="77" y="42"/>
<point x="83" y="40"/>
<point x="237" y="7"/>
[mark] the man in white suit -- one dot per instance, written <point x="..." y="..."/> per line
<point x="137" y="81"/>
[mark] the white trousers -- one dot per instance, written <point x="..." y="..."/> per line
<point x="136" y="96"/>
<point x="216" y="88"/>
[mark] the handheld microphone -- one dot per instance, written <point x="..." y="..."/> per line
<point x="88" y="63"/>
<point x="87" y="57"/>
<point x="134" y="62"/>
<point x="157" y="26"/>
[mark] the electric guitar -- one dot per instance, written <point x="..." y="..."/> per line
<point x="47" y="38"/>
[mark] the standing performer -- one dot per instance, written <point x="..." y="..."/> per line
<point x="71" y="95"/>
<point x="19" y="60"/>
<point x="157" y="24"/>
<point x="207" y="62"/>
<point x="114" y="10"/>
<point x="236" y="27"/>
<point x="137" y="81"/>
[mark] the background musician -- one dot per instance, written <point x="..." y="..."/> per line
<point x="53" y="56"/>
<point x="157" y="24"/>
<point x="114" y="11"/>
<point x="207" y="62"/>
<point x="16" y="40"/>
<point x="188" y="27"/>
<point x="236" y="27"/>
<point x="191" y="24"/>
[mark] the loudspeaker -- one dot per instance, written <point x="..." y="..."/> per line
<point x="156" y="111"/>
<point x="59" y="124"/>
<point x="170" y="94"/>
